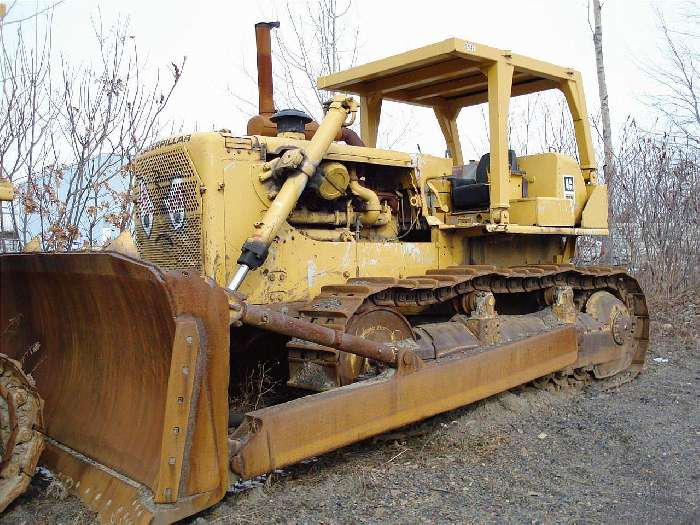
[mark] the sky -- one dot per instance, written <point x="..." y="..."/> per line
<point x="217" y="37"/>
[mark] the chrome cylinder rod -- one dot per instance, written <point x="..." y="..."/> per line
<point x="238" y="277"/>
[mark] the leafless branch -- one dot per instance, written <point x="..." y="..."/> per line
<point x="68" y="132"/>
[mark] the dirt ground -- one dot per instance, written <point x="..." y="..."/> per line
<point x="596" y="453"/>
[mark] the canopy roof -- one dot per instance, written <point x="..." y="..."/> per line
<point x="448" y="73"/>
<point x="454" y="74"/>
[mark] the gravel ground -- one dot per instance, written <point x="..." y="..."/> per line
<point x="596" y="453"/>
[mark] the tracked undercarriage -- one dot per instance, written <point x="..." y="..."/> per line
<point x="479" y="303"/>
<point x="480" y="329"/>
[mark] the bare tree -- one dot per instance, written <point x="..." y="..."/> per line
<point x="25" y="110"/>
<point x="677" y="74"/>
<point x="84" y="128"/>
<point x="658" y="187"/>
<point x="107" y="113"/>
<point x="659" y="201"/>
<point x="608" y="155"/>
<point x="316" y="39"/>
<point x="5" y="11"/>
<point x="541" y="122"/>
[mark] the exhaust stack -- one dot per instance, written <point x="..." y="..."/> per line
<point x="261" y="124"/>
<point x="266" y="104"/>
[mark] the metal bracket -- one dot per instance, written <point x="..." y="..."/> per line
<point x="408" y="362"/>
<point x="561" y="298"/>
<point x="483" y="321"/>
<point x="180" y="402"/>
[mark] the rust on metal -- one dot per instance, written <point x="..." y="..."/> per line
<point x="270" y="437"/>
<point x="160" y="342"/>
<point x="266" y="105"/>
<point x="261" y="124"/>
<point x="284" y="434"/>
<point x="21" y="421"/>
<point x="374" y="323"/>
<point x="607" y="335"/>
<point x="274" y="321"/>
<point x="470" y="289"/>
<point x="437" y="340"/>
<point x="136" y="398"/>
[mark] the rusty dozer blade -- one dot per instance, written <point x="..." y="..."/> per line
<point x="133" y="367"/>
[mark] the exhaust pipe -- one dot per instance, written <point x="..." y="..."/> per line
<point x="263" y="41"/>
<point x="261" y="124"/>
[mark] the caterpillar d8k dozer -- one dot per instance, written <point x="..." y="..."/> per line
<point x="386" y="287"/>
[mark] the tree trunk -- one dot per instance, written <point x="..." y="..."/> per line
<point x="608" y="161"/>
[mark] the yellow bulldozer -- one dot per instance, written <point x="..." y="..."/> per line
<point x="386" y="287"/>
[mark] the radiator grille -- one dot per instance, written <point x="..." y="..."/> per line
<point x="168" y="210"/>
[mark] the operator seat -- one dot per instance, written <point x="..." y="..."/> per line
<point x="473" y="193"/>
